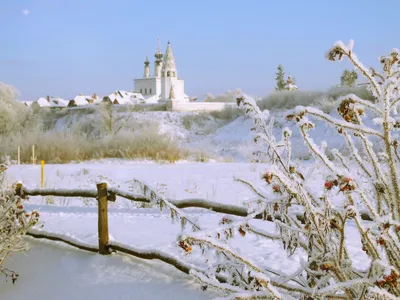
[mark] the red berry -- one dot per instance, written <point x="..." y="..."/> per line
<point x="328" y="185"/>
<point x="267" y="177"/>
<point x="276" y="188"/>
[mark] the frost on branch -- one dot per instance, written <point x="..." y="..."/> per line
<point x="349" y="187"/>
<point x="14" y="223"/>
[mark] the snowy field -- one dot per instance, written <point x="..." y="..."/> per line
<point x="142" y="228"/>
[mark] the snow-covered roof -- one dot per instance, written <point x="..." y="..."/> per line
<point x="81" y="100"/>
<point x="134" y="95"/>
<point x="124" y="100"/>
<point x="151" y="99"/>
<point x="58" y="102"/>
<point x="42" y="102"/>
<point x="116" y="96"/>
<point x="95" y="99"/>
<point x="124" y="97"/>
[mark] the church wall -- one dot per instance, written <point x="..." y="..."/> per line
<point x="178" y="89"/>
<point x="145" y="84"/>
<point x="151" y="106"/>
<point x="199" y="106"/>
<point x="165" y="87"/>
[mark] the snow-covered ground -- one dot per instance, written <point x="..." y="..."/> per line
<point x="148" y="227"/>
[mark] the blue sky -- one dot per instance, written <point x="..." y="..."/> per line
<point x="66" y="47"/>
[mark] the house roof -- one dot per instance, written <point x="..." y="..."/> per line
<point x="58" y="102"/>
<point x="114" y="96"/>
<point x="81" y="100"/>
<point x="42" y="102"/>
<point x="133" y="96"/>
<point x="123" y="97"/>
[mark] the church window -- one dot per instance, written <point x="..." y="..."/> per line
<point x="169" y="74"/>
<point x="141" y="91"/>
<point x="150" y="92"/>
<point x="145" y="91"/>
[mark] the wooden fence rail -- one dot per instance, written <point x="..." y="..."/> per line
<point x="112" y="192"/>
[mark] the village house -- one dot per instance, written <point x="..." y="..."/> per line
<point x="50" y="102"/>
<point x="58" y="102"/>
<point x="124" y="98"/>
<point x="79" y="100"/>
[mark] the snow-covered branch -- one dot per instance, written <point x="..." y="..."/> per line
<point x="361" y="193"/>
<point x="301" y="110"/>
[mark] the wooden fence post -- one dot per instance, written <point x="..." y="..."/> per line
<point x="42" y="174"/>
<point x="19" y="189"/>
<point x="33" y="155"/>
<point x="102" y="218"/>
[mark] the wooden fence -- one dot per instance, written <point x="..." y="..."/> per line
<point x="103" y="193"/>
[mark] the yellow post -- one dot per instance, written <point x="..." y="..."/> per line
<point x="42" y="174"/>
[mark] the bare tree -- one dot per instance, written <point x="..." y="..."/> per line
<point x="113" y="120"/>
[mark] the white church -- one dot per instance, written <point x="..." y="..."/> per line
<point x="164" y="85"/>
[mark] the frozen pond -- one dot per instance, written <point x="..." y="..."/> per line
<point x="50" y="271"/>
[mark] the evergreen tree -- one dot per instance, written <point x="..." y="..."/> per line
<point x="348" y="78"/>
<point x="280" y="79"/>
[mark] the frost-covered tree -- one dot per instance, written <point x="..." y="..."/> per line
<point x="113" y="121"/>
<point x="14" y="223"/>
<point x="280" y="79"/>
<point x="291" y="84"/>
<point x="356" y="197"/>
<point x="348" y="78"/>
<point x="14" y="116"/>
<point x="229" y="96"/>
